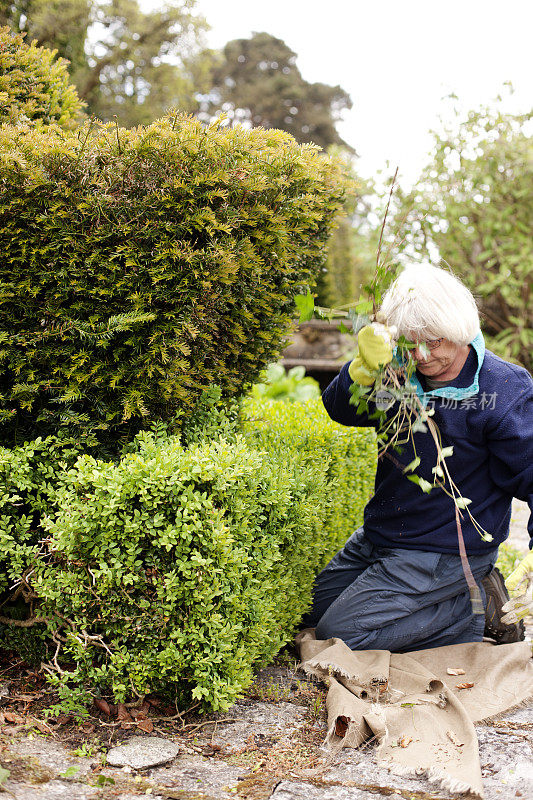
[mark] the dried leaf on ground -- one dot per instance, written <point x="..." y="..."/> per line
<point x="405" y="741"/>
<point x="464" y="685"/>
<point x="102" y="705"/>
<point x="123" y="714"/>
<point x="26" y="698"/>
<point x="455" y="671"/>
<point x="341" y="726"/>
<point x="9" y="716"/>
<point x="453" y="738"/>
<point x="146" y="725"/>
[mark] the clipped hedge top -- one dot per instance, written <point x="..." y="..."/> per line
<point x="142" y="266"/>
<point x="34" y="85"/>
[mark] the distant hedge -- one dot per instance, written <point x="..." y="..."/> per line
<point x="34" y="85"/>
<point x="178" y="568"/>
<point x="140" y="267"/>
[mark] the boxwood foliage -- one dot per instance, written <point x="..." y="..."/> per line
<point x="141" y="266"/>
<point x="29" y="476"/>
<point x="348" y="456"/>
<point x="34" y="85"/>
<point x="179" y="567"/>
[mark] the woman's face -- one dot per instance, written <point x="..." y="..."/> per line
<point x="440" y="359"/>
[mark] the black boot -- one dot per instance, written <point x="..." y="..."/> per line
<point x="497" y="596"/>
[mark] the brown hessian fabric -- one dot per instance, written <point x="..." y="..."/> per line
<point x="416" y="709"/>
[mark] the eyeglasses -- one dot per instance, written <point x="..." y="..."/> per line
<point x="434" y="344"/>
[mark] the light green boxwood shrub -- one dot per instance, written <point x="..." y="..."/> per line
<point x="347" y="454"/>
<point x="179" y="567"/>
<point x="29" y="476"/>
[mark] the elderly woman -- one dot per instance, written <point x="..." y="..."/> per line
<point x="398" y="583"/>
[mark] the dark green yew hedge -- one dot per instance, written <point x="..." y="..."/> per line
<point x="34" y="85"/>
<point x="179" y="567"/>
<point x="141" y="266"/>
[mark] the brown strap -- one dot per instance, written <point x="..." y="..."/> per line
<point x="475" y="594"/>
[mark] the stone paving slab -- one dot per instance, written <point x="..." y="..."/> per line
<point x="52" y="790"/>
<point x="292" y="790"/>
<point x="506" y="759"/>
<point x="196" y="773"/>
<point x="362" y="767"/>
<point x="141" y="752"/>
<point x="266" y="723"/>
<point x="50" y="754"/>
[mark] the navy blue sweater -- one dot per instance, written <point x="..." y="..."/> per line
<point x="486" y="413"/>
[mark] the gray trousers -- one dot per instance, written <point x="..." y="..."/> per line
<point x="376" y="598"/>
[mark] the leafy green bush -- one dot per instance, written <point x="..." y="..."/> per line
<point x="291" y="386"/>
<point x="34" y="86"/>
<point x="348" y="455"/>
<point x="508" y="558"/>
<point x="163" y="572"/>
<point x="140" y="267"/>
<point x="29" y="476"/>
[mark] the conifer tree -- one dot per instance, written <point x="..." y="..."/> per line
<point x="257" y="81"/>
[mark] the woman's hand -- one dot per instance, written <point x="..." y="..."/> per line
<point x="375" y="350"/>
<point x="520" y="584"/>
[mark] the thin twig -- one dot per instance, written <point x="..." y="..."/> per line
<point x="210" y="722"/>
<point x="378" y="254"/>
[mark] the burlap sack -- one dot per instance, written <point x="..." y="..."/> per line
<point x="411" y="703"/>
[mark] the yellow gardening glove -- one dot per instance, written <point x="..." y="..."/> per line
<point x="375" y="350"/>
<point x="520" y="584"/>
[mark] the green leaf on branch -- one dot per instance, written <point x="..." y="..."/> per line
<point x="358" y="393"/>
<point x="405" y="344"/>
<point x="364" y="307"/>
<point x="418" y="426"/>
<point x="462" y="502"/>
<point x="426" y="486"/>
<point x="305" y="303"/>
<point x="358" y="320"/>
<point x="413" y="465"/>
<point x="69" y="772"/>
<point x="102" y="780"/>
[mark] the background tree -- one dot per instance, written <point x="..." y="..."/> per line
<point x="257" y="81"/>
<point x="125" y="61"/>
<point x="353" y="243"/>
<point x="475" y="200"/>
<point x="352" y="246"/>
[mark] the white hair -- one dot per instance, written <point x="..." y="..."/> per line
<point x="426" y="302"/>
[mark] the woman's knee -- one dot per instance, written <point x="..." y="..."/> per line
<point x="332" y="628"/>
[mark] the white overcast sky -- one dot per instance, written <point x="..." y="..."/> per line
<point x="397" y="59"/>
